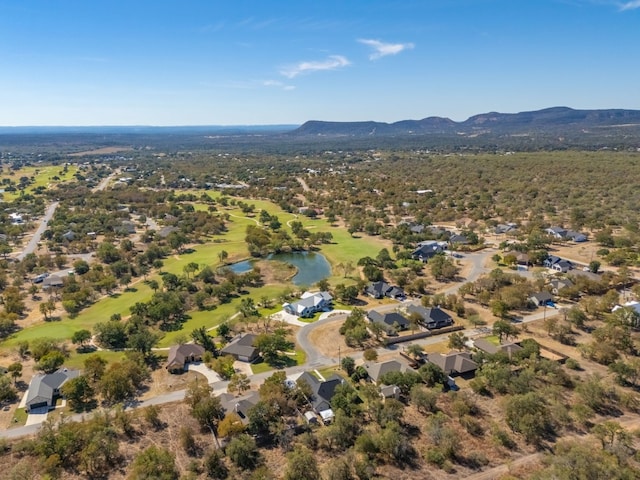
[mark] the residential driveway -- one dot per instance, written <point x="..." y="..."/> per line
<point x="243" y="367"/>
<point x="289" y="318"/>
<point x="37" y="416"/>
<point x="200" y="367"/>
<point x="324" y="315"/>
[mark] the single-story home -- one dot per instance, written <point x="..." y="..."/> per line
<point x="44" y="389"/>
<point x="239" y="405"/>
<point x="322" y="391"/>
<point x="540" y="299"/>
<point x="382" y="289"/>
<point x="576" y="236"/>
<point x="391" y="322"/>
<point x="458" y="239"/>
<point x="432" y="318"/>
<point x="376" y="370"/>
<point x="556" y="232"/>
<point x="503" y="228"/>
<point x="491" y="348"/>
<point x="181" y="355"/>
<point x="427" y="251"/>
<point x="309" y="304"/>
<point x="453" y="363"/>
<point x="241" y="348"/>
<point x="52" y="281"/>
<point x="558" y="264"/>
<point x="558" y="284"/>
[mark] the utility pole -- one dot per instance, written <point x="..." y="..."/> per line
<point x="339" y="365"/>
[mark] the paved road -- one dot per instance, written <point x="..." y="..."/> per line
<point x="33" y="243"/>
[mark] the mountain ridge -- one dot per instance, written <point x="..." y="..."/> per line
<point x="544" y="120"/>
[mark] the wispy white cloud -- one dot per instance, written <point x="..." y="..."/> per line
<point x="381" y="49"/>
<point x="277" y="84"/>
<point x="332" y="62"/>
<point x="631" y="5"/>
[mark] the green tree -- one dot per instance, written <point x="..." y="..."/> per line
<point x="154" y="463"/>
<point x="214" y="465"/>
<point x="242" y="451"/>
<point x="94" y="367"/>
<point x="528" y="414"/>
<point x="15" y="370"/>
<point x="50" y="362"/>
<point x="202" y="338"/>
<point x="301" y="465"/>
<point x="78" y="392"/>
<point x="81" y="337"/>
<point x="207" y="410"/>
<point x="504" y="329"/>
<point x="348" y="364"/>
<point x="457" y="341"/>
<point x="239" y="382"/>
<point x="7" y="392"/>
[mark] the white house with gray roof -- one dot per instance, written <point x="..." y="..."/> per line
<point x="310" y="304"/>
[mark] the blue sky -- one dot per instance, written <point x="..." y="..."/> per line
<point x="212" y="62"/>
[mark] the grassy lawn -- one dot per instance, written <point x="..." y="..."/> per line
<point x="328" y="371"/>
<point x="19" y="417"/>
<point x="76" y="360"/>
<point x="299" y="358"/>
<point x="42" y="178"/>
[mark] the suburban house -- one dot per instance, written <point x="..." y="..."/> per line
<point x="541" y="299"/>
<point x="558" y="264"/>
<point x="181" y="355"/>
<point x="241" y="348"/>
<point x="558" y="284"/>
<point x="52" y="281"/>
<point x="382" y="289"/>
<point x="309" y="304"/>
<point x="503" y="228"/>
<point x="44" y="389"/>
<point x="392" y="322"/>
<point x="564" y="234"/>
<point x="427" y="251"/>
<point x="453" y="363"/>
<point x="432" y="318"/>
<point x="456" y="239"/>
<point x="576" y="236"/>
<point x="556" y="232"/>
<point x="376" y="370"/>
<point x="322" y="391"/>
<point x="491" y="348"/>
<point x="239" y="405"/>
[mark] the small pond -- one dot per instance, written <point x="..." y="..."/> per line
<point x="312" y="267"/>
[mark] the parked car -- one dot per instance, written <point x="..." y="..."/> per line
<point x="40" y="278"/>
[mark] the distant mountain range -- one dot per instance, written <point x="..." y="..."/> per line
<point x="556" y="119"/>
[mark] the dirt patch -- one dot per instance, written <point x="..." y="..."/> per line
<point x="327" y="340"/>
<point x="164" y="382"/>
